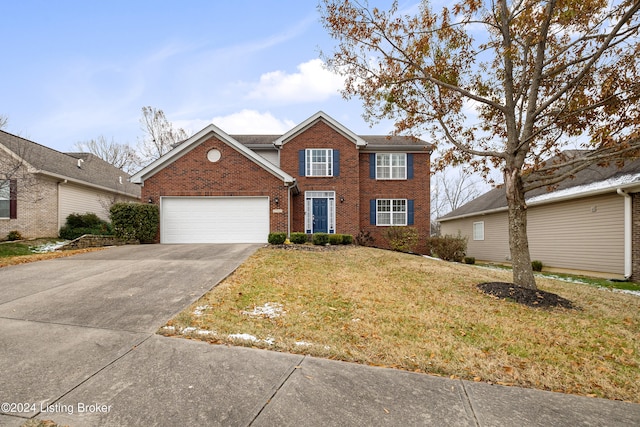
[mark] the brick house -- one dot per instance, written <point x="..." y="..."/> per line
<point x="588" y="224"/>
<point x="318" y="177"/>
<point x="40" y="187"/>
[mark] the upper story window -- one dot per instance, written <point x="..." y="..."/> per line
<point x="319" y="162"/>
<point x="391" y="166"/>
<point x="5" y="199"/>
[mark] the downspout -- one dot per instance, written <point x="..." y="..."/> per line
<point x="628" y="256"/>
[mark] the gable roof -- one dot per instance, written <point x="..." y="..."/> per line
<point x="81" y="168"/>
<point x="320" y="116"/>
<point x="197" y="139"/>
<point x="591" y="181"/>
<point x="373" y="142"/>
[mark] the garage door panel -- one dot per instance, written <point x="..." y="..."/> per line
<point x="214" y="220"/>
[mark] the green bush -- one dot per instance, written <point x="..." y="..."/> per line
<point x="89" y="223"/>
<point x="298" y="238"/>
<point x="135" y="221"/>
<point x="14" y="235"/>
<point x="335" y="239"/>
<point x="347" y="239"/>
<point x="469" y="260"/>
<point x="448" y="248"/>
<point x="402" y="239"/>
<point x="320" y="238"/>
<point x="277" y="238"/>
<point x="536" y="265"/>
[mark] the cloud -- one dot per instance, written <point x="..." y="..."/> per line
<point x="245" y="122"/>
<point x="312" y="83"/>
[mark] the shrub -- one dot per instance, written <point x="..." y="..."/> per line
<point x="89" y="223"/>
<point x="536" y="265"/>
<point x="277" y="238"/>
<point x="335" y="239"/>
<point x="469" y="260"/>
<point x="14" y="235"/>
<point x="448" y="248"/>
<point x="364" y="238"/>
<point x="347" y="239"/>
<point x="320" y="238"/>
<point x="298" y="238"/>
<point x="135" y="221"/>
<point x="402" y="239"/>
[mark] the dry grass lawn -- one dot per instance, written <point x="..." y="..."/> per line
<point x="403" y="311"/>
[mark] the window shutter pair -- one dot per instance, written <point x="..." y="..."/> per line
<point x="373" y="208"/>
<point x="372" y="166"/>
<point x="302" y="167"/>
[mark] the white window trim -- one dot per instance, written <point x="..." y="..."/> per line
<point x="392" y="212"/>
<point x="478" y="230"/>
<point x="7" y="185"/>
<point x="308" y="164"/>
<point x="391" y="167"/>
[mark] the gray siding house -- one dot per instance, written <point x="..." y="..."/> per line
<point x="590" y="223"/>
<point x="40" y="187"/>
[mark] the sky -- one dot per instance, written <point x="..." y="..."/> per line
<point x="76" y="70"/>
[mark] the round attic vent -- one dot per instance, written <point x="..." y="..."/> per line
<point x="213" y="155"/>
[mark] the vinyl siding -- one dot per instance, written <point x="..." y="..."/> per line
<point x="585" y="234"/>
<point x="77" y="199"/>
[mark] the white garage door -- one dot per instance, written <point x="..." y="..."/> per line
<point x="214" y="219"/>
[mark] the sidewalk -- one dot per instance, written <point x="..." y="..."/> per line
<point x="177" y="382"/>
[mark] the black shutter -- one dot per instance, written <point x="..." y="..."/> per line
<point x="13" y="199"/>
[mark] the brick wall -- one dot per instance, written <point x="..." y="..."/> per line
<point x="233" y="175"/>
<point x="416" y="189"/>
<point x="37" y="206"/>
<point x="346" y="186"/>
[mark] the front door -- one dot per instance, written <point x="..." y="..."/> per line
<point x="320" y="216"/>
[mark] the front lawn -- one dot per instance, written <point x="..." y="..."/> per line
<point x="404" y="311"/>
<point x="12" y="253"/>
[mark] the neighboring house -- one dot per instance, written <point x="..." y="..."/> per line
<point x="40" y="187"/>
<point x="318" y="177"/>
<point x="590" y="223"/>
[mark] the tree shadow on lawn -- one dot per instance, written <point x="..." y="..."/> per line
<point x="530" y="297"/>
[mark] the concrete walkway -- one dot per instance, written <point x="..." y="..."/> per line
<point x="78" y="346"/>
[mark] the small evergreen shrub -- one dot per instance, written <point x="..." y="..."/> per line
<point x="448" y="248"/>
<point x="402" y="239"/>
<point x="347" y="239"/>
<point x="277" y="238"/>
<point x="536" y="265"/>
<point x="469" y="260"/>
<point x="298" y="238"/>
<point x="135" y="221"/>
<point x="320" y="238"/>
<point x="14" y="235"/>
<point x="335" y="239"/>
<point x="89" y="223"/>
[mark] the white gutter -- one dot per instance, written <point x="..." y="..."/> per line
<point x="628" y="256"/>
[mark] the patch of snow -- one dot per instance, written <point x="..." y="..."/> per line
<point x="269" y="340"/>
<point x="188" y="330"/>
<point x="627" y="291"/>
<point x="47" y="247"/>
<point x="269" y="310"/>
<point x="357" y="319"/>
<point x="199" y="311"/>
<point x="205" y="332"/>
<point x="245" y="337"/>
<point x="169" y="328"/>
<point x="433" y="258"/>
<point x="607" y="184"/>
<point x="303" y="344"/>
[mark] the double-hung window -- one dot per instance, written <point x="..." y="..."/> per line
<point x="478" y="230"/>
<point x="319" y="162"/>
<point x="391" y="212"/>
<point x="5" y="199"/>
<point x="391" y="166"/>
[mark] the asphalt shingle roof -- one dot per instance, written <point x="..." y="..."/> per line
<point x="92" y="171"/>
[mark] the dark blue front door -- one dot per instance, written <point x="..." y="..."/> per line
<point x="320" y="220"/>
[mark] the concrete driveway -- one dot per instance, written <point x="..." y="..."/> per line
<point x="78" y="346"/>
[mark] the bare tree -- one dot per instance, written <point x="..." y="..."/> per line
<point x="122" y="156"/>
<point x="452" y="188"/>
<point x="3" y="121"/>
<point x="159" y="134"/>
<point x="506" y="84"/>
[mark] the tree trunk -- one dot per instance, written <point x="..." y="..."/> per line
<point x="518" y="240"/>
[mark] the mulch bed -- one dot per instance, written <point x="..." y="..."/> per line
<point x="529" y="297"/>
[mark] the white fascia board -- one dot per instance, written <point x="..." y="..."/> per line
<point x="196" y="139"/>
<point x="330" y="121"/>
<point x="87" y="184"/>
<point x="625" y="182"/>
